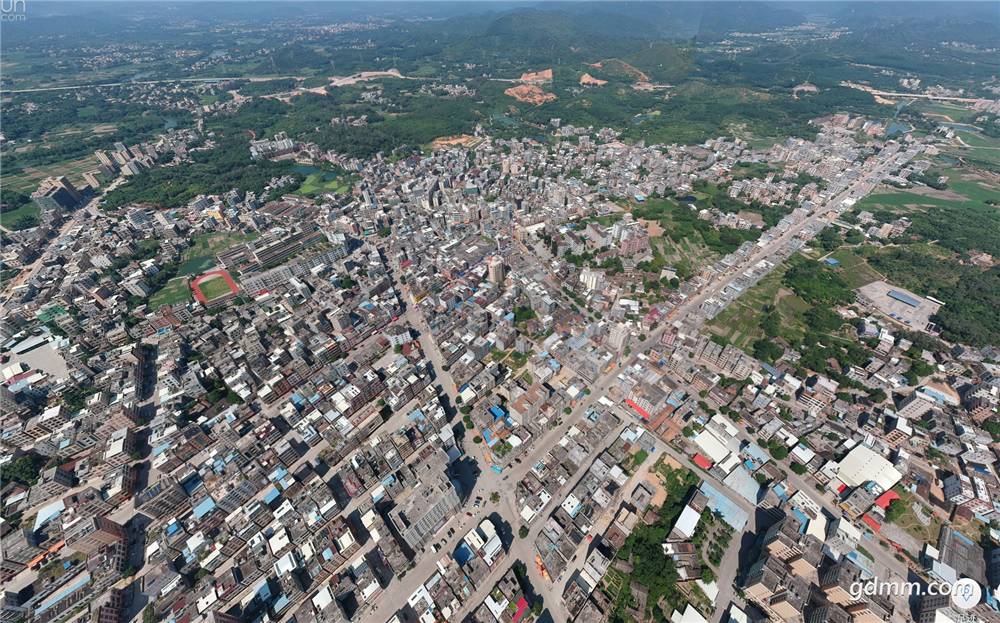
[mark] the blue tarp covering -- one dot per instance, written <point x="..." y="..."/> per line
<point x="779" y="491"/>
<point x="803" y="518"/>
<point x="272" y="495"/>
<point x="192" y="484"/>
<point x="204" y="507"/>
<point x="730" y="512"/>
<point x="463" y="554"/>
<point x="489" y="438"/>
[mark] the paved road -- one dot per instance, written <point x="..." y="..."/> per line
<point x="74" y="87"/>
<point x="937" y="98"/>
<point x="689" y="310"/>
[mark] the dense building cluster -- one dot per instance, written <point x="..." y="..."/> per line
<point x="462" y="385"/>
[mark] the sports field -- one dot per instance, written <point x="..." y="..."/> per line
<point x="214" y="287"/>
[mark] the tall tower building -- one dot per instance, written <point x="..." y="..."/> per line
<point x="496" y="269"/>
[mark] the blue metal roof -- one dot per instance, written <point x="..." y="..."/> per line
<point x="903" y="298"/>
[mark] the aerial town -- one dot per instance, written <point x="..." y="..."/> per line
<point x="561" y="377"/>
<point x="282" y="441"/>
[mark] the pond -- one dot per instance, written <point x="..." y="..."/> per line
<point x="307" y="170"/>
<point x="897" y="128"/>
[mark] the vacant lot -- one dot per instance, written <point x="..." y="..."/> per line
<point x="200" y="256"/>
<point x="740" y="322"/>
<point x="27" y="180"/>
<point x="853" y="268"/>
<point x="909" y="521"/>
<point x="323" y="182"/>
<point x="176" y="291"/>
<point x="22" y="218"/>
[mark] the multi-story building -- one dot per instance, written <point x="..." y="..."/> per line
<point x="592" y="279"/>
<point x="56" y="193"/>
<point x="428" y="505"/>
<point x="915" y="406"/>
<point x="92" y="534"/>
<point x="777" y="591"/>
<point x="163" y="498"/>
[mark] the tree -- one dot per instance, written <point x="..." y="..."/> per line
<point x="766" y="350"/>
<point x="522" y="532"/>
<point x="778" y="451"/>
<point x="149" y="614"/>
<point x="24" y="469"/>
<point x="494" y="497"/>
<point x="523" y="314"/>
<point x="770" y="324"/>
<point x="520" y="570"/>
<point x="921" y="368"/>
<point x="477" y="439"/>
<point x="992" y="427"/>
<point x="829" y="239"/>
<point x="895" y="511"/>
<point x="798" y="468"/>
